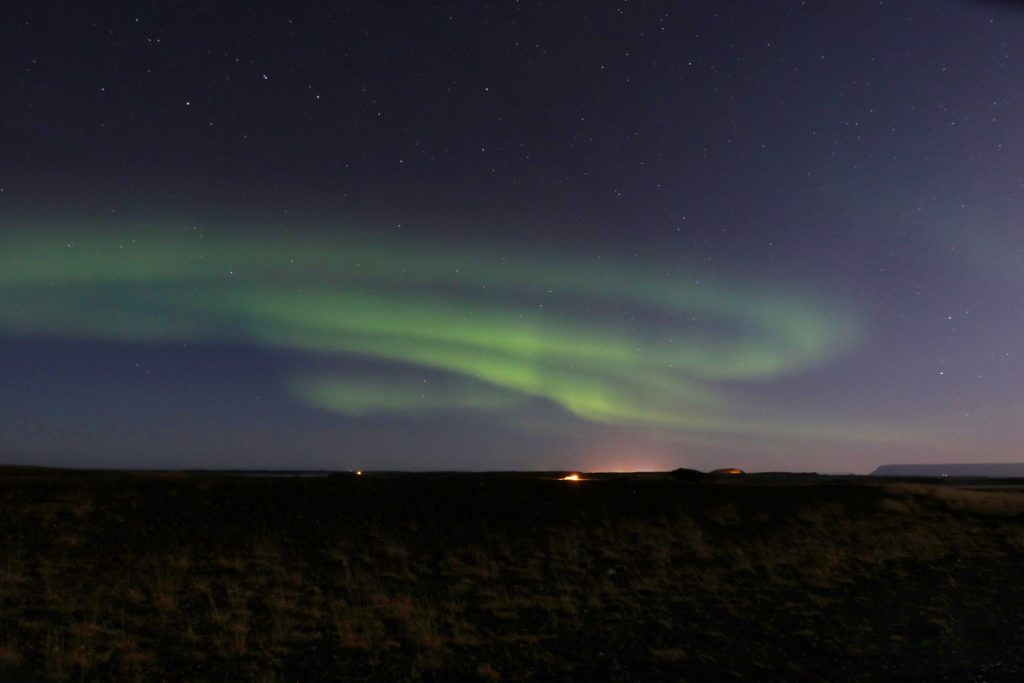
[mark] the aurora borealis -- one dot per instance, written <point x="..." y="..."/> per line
<point x="400" y="238"/>
<point x="608" y="344"/>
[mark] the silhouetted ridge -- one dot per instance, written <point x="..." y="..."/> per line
<point x="998" y="469"/>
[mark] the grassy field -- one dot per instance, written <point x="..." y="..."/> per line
<point x="117" y="576"/>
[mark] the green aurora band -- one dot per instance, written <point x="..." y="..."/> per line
<point x="612" y="343"/>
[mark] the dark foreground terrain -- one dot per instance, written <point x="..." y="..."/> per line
<point x="506" y="577"/>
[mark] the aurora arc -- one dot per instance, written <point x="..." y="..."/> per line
<point x="609" y="342"/>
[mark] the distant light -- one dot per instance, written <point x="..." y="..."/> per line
<point x="359" y="473"/>
<point x="571" y="477"/>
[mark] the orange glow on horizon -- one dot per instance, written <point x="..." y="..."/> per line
<point x="572" y="477"/>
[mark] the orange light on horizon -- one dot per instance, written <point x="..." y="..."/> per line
<point x="571" y="477"/>
<point x="359" y="473"/>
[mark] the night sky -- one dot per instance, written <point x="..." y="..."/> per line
<point x="511" y="235"/>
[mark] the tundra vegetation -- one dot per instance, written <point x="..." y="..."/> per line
<point x="129" y="576"/>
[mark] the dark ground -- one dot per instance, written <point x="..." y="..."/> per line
<point x="120" y="576"/>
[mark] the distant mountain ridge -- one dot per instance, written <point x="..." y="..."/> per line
<point x="991" y="469"/>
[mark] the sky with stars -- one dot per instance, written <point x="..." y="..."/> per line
<point x="511" y="235"/>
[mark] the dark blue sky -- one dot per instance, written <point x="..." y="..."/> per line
<point x="511" y="235"/>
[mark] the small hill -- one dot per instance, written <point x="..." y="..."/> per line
<point x="685" y="474"/>
<point x="1004" y="470"/>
